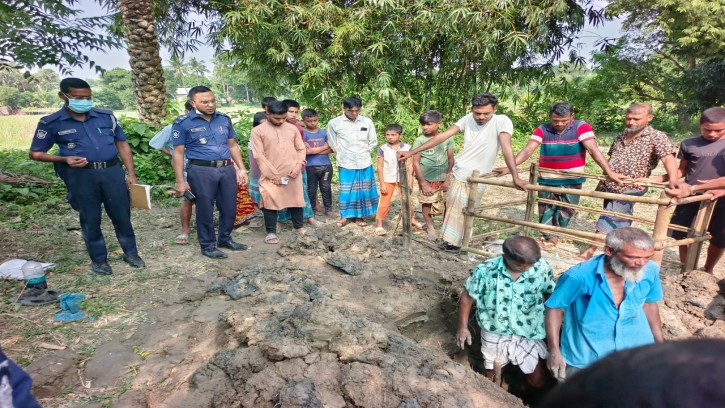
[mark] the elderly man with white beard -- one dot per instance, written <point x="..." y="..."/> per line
<point x="606" y="304"/>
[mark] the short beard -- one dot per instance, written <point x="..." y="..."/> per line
<point x="629" y="274"/>
<point x="634" y="130"/>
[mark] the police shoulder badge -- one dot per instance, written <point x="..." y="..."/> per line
<point x="176" y="134"/>
<point x="41" y="134"/>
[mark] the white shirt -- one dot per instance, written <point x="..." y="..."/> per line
<point x="390" y="161"/>
<point x="480" y="144"/>
<point x="352" y="141"/>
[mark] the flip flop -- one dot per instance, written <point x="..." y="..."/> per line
<point x="380" y="231"/>
<point x="182" y="239"/>
<point x="361" y="223"/>
<point x="271" y="239"/>
<point x="301" y="231"/>
<point x="341" y="223"/>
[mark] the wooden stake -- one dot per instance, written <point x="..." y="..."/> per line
<point x="699" y="228"/>
<point x="405" y="204"/>
<point x="531" y="196"/>
<point x="662" y="220"/>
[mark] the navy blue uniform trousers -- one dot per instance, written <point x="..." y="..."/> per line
<point x="88" y="189"/>
<point x="213" y="185"/>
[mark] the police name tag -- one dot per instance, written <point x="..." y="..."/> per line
<point x="66" y="132"/>
<point x="197" y="129"/>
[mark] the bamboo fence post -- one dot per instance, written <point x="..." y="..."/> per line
<point x="470" y="208"/>
<point x="405" y="204"/>
<point x="699" y="228"/>
<point x="531" y="196"/>
<point x="659" y="233"/>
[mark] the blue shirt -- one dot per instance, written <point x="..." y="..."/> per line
<point x="317" y="139"/>
<point x="94" y="139"/>
<point x="204" y="140"/>
<point x="593" y="326"/>
<point x="162" y="140"/>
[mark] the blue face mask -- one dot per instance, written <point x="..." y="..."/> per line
<point x="80" y="105"/>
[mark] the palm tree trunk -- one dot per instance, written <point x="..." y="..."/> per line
<point x="143" y="50"/>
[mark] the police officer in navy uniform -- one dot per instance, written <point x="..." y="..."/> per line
<point x="89" y="143"/>
<point x="208" y="140"/>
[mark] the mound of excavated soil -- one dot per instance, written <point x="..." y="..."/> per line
<point x="335" y="318"/>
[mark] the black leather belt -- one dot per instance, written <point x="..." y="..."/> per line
<point x="211" y="163"/>
<point x="101" y="165"/>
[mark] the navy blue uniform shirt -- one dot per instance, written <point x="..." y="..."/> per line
<point x="94" y="139"/>
<point x="204" y="140"/>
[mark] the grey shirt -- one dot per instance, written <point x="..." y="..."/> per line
<point x="705" y="159"/>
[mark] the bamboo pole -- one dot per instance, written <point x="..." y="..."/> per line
<point x="662" y="221"/>
<point x="470" y="207"/>
<point x="502" y="205"/>
<point x="477" y="251"/>
<point x="602" y="177"/>
<point x="683" y="241"/>
<point x="530" y="195"/>
<point x="536" y="225"/>
<point x="612" y="213"/>
<point x="663" y="200"/>
<point x="699" y="228"/>
<point x="405" y="204"/>
<point x="492" y="233"/>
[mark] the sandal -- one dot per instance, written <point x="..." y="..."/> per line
<point x="301" y="231"/>
<point x="182" y="239"/>
<point x="361" y="222"/>
<point x="342" y="222"/>
<point x="380" y="231"/>
<point x="271" y="239"/>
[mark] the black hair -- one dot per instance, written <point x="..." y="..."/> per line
<point x="713" y="115"/>
<point x="430" y="116"/>
<point x="561" y="109"/>
<point x="685" y="373"/>
<point x="521" y="249"/>
<point x="277" y="108"/>
<point x="267" y="99"/>
<point x="395" y="128"/>
<point x="198" y="89"/>
<point x="352" y="102"/>
<point x="291" y="103"/>
<point x="76" y="83"/>
<point x="309" y="113"/>
<point x="188" y="106"/>
<point x="484" y="99"/>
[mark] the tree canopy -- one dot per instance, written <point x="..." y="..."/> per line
<point x="404" y="55"/>
<point x="36" y="33"/>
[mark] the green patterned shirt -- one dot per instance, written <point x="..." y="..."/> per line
<point x="505" y="306"/>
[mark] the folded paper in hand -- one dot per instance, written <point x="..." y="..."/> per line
<point x="141" y="196"/>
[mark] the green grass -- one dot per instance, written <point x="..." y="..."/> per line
<point x="16" y="132"/>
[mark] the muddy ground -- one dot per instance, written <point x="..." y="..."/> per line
<point x="277" y="325"/>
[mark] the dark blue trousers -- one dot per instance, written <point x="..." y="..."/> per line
<point x="213" y="185"/>
<point x="89" y="188"/>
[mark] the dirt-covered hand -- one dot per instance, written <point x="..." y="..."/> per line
<point x="463" y="337"/>
<point x="557" y="365"/>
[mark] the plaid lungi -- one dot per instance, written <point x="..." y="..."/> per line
<point x="608" y="223"/>
<point x="511" y="348"/>
<point x="358" y="193"/>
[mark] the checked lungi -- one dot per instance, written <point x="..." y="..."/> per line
<point x="358" y="193"/>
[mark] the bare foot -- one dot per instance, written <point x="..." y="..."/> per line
<point x="553" y="240"/>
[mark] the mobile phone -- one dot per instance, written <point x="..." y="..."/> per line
<point x="189" y="195"/>
<point x="284" y="180"/>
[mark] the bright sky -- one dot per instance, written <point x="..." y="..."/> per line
<point x="119" y="58"/>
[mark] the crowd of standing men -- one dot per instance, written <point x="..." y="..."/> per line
<point x="604" y="304"/>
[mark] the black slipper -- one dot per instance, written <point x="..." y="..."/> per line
<point x="37" y="299"/>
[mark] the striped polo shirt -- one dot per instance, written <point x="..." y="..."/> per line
<point x="563" y="151"/>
